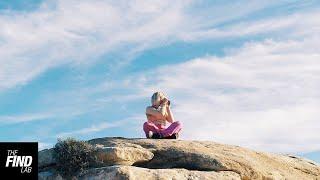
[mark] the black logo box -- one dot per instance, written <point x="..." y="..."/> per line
<point x="24" y="149"/>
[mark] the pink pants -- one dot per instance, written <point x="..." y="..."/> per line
<point x="175" y="127"/>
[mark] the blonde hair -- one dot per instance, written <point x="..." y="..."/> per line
<point x="156" y="98"/>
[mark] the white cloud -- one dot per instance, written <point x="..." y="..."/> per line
<point x="78" y="32"/>
<point x="56" y="112"/>
<point x="97" y="127"/>
<point x="64" y="32"/>
<point x="24" y="118"/>
<point x="282" y="27"/>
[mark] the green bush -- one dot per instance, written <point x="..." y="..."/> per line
<point x="73" y="156"/>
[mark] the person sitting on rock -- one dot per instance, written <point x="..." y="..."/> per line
<point x="158" y="114"/>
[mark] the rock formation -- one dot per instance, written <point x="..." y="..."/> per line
<point x="146" y="159"/>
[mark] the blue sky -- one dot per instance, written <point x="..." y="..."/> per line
<point x="237" y="72"/>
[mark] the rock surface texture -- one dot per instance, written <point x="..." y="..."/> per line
<point x="136" y="159"/>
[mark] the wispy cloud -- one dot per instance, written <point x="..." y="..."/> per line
<point x="4" y="120"/>
<point x="54" y="113"/>
<point x="96" y="128"/>
<point x="281" y="27"/>
<point x="78" y="32"/>
<point x="75" y="32"/>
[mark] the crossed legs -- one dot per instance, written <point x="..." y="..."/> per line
<point x="175" y="127"/>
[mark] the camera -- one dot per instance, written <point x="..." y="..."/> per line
<point x="167" y="100"/>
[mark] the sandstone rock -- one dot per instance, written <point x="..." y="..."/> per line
<point x="123" y="155"/>
<point x="177" y="159"/>
<point x="137" y="173"/>
<point x="120" y="155"/>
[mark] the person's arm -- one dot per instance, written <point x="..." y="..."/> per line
<point x="159" y="113"/>
<point x="163" y="109"/>
<point x="170" y="117"/>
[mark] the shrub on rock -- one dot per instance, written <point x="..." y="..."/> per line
<point x="73" y="156"/>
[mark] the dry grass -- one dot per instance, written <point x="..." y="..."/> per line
<point x="73" y="156"/>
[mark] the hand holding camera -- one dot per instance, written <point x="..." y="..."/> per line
<point x="165" y="101"/>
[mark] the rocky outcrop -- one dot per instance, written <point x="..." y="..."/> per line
<point x="137" y="173"/>
<point x="123" y="155"/>
<point x="177" y="159"/>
